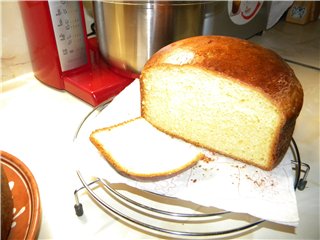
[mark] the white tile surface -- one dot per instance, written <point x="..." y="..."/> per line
<point x="15" y="58"/>
<point x="295" y="42"/>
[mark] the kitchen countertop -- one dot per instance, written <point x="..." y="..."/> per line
<point x="38" y="124"/>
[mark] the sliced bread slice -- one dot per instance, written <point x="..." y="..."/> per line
<point x="138" y="150"/>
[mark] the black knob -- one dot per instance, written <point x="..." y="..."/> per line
<point x="79" y="209"/>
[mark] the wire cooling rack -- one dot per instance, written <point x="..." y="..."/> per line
<point x="150" y="212"/>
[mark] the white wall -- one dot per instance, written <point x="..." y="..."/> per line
<point x="15" y="58"/>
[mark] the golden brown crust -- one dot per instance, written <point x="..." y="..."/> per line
<point x="241" y="61"/>
<point x="282" y="143"/>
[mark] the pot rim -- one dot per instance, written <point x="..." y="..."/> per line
<point x="155" y="2"/>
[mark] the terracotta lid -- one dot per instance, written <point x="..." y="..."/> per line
<point x="26" y="199"/>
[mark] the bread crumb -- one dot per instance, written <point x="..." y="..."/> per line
<point x="207" y="159"/>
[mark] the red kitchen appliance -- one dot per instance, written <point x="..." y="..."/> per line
<point x="63" y="56"/>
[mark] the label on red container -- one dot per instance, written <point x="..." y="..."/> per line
<point x="69" y="34"/>
<point x="242" y="12"/>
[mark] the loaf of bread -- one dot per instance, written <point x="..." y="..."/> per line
<point x="6" y="206"/>
<point x="224" y="94"/>
<point x="138" y="150"/>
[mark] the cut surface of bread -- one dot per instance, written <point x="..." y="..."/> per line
<point x="224" y="94"/>
<point x="137" y="149"/>
<point x="239" y="122"/>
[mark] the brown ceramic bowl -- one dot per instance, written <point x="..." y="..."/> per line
<point x="26" y="199"/>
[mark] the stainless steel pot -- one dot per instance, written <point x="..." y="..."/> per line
<point x="129" y="32"/>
